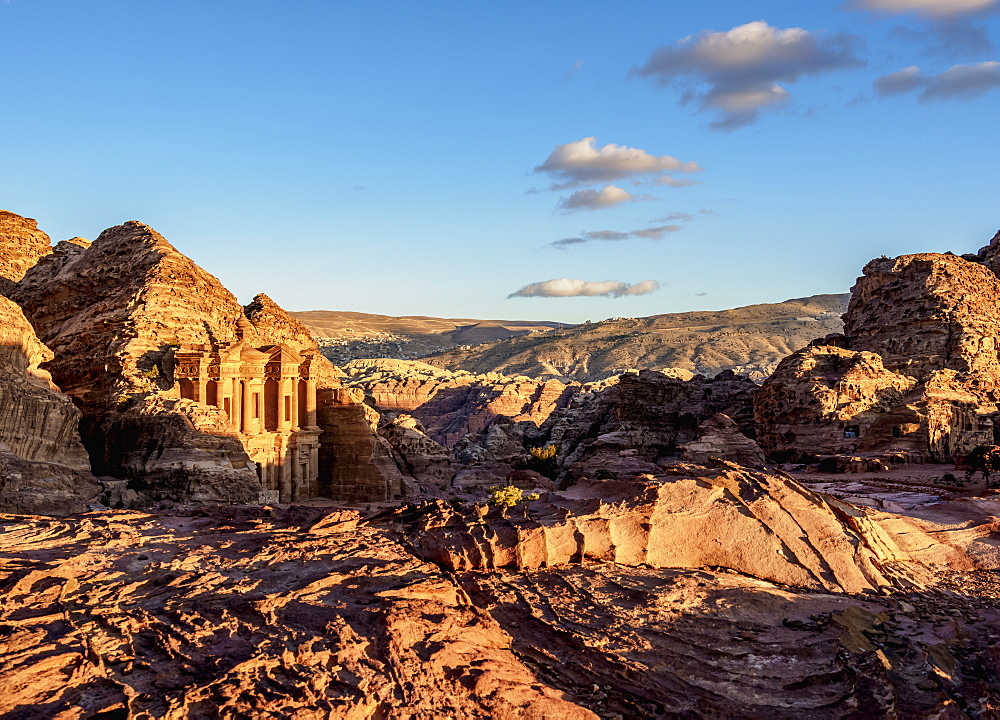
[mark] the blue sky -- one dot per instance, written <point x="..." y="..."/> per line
<point x="381" y="157"/>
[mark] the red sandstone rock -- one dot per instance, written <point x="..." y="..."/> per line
<point x="648" y="415"/>
<point x="21" y="245"/>
<point x="117" y="313"/>
<point x="761" y="524"/>
<point x="917" y="368"/>
<point x="720" y="438"/>
<point x="43" y="466"/>
<point x="452" y="405"/>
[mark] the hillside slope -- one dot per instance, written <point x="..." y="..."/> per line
<point x="345" y="336"/>
<point x="749" y="340"/>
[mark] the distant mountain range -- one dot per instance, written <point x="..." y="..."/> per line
<point x="345" y="336"/>
<point x="749" y="340"/>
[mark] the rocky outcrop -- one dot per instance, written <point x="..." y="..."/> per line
<point x="719" y="438"/>
<point x="452" y="405"/>
<point x="647" y="415"/>
<point x="916" y="369"/>
<point x="301" y="611"/>
<point x="356" y="464"/>
<point x="21" y="246"/>
<point x="116" y="313"/>
<point x="181" y="449"/>
<point x="757" y="523"/>
<point x="416" y="454"/>
<point x="43" y="466"/>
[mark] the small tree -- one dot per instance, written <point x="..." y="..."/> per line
<point x="543" y="461"/>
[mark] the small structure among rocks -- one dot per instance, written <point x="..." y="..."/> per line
<point x="269" y="396"/>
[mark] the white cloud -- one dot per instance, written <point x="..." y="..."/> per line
<point x="903" y="81"/>
<point x="671" y="181"/>
<point x="963" y="82"/>
<point x="582" y="163"/>
<point x="566" y="287"/>
<point x="653" y="233"/>
<point x="577" y="66"/>
<point x="742" y="67"/>
<point x="928" y="8"/>
<point x="606" y="197"/>
<point x="960" y="82"/>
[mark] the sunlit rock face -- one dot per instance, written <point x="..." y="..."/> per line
<point x="43" y="466"/>
<point x="21" y="245"/>
<point x="757" y="523"/>
<point x="916" y="369"/>
<point x="184" y="391"/>
<point x="701" y="593"/>
<point x="451" y="405"/>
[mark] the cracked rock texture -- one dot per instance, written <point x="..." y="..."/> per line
<point x="312" y="612"/>
<point x="757" y="523"/>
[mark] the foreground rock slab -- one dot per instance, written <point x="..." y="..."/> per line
<point x="300" y="615"/>
<point x="319" y="613"/>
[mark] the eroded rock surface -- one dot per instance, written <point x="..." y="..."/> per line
<point x="648" y="416"/>
<point x="21" y="245"/>
<point x="452" y="405"/>
<point x="757" y="523"/>
<point x="118" y="312"/>
<point x="916" y="369"/>
<point x="309" y="612"/>
<point x="43" y="465"/>
<point x="301" y="615"/>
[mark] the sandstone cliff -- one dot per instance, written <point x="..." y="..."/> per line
<point x="749" y="340"/>
<point x="43" y="466"/>
<point x="916" y="369"/>
<point x="21" y="245"/>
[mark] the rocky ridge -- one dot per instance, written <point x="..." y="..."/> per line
<point x="750" y="341"/>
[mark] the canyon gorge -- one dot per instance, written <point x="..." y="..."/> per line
<point x="747" y="513"/>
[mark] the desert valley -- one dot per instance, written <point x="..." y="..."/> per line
<point x="204" y="515"/>
<point x="500" y="361"/>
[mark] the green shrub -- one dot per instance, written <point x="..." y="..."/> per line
<point x="543" y="461"/>
<point x="509" y="496"/>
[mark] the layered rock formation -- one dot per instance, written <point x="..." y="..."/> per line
<point x="21" y="246"/>
<point x="719" y="438"/>
<point x="757" y="523"/>
<point x="43" y="466"/>
<point x="452" y="405"/>
<point x="916" y="369"/>
<point x="749" y="340"/>
<point x="648" y="416"/>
